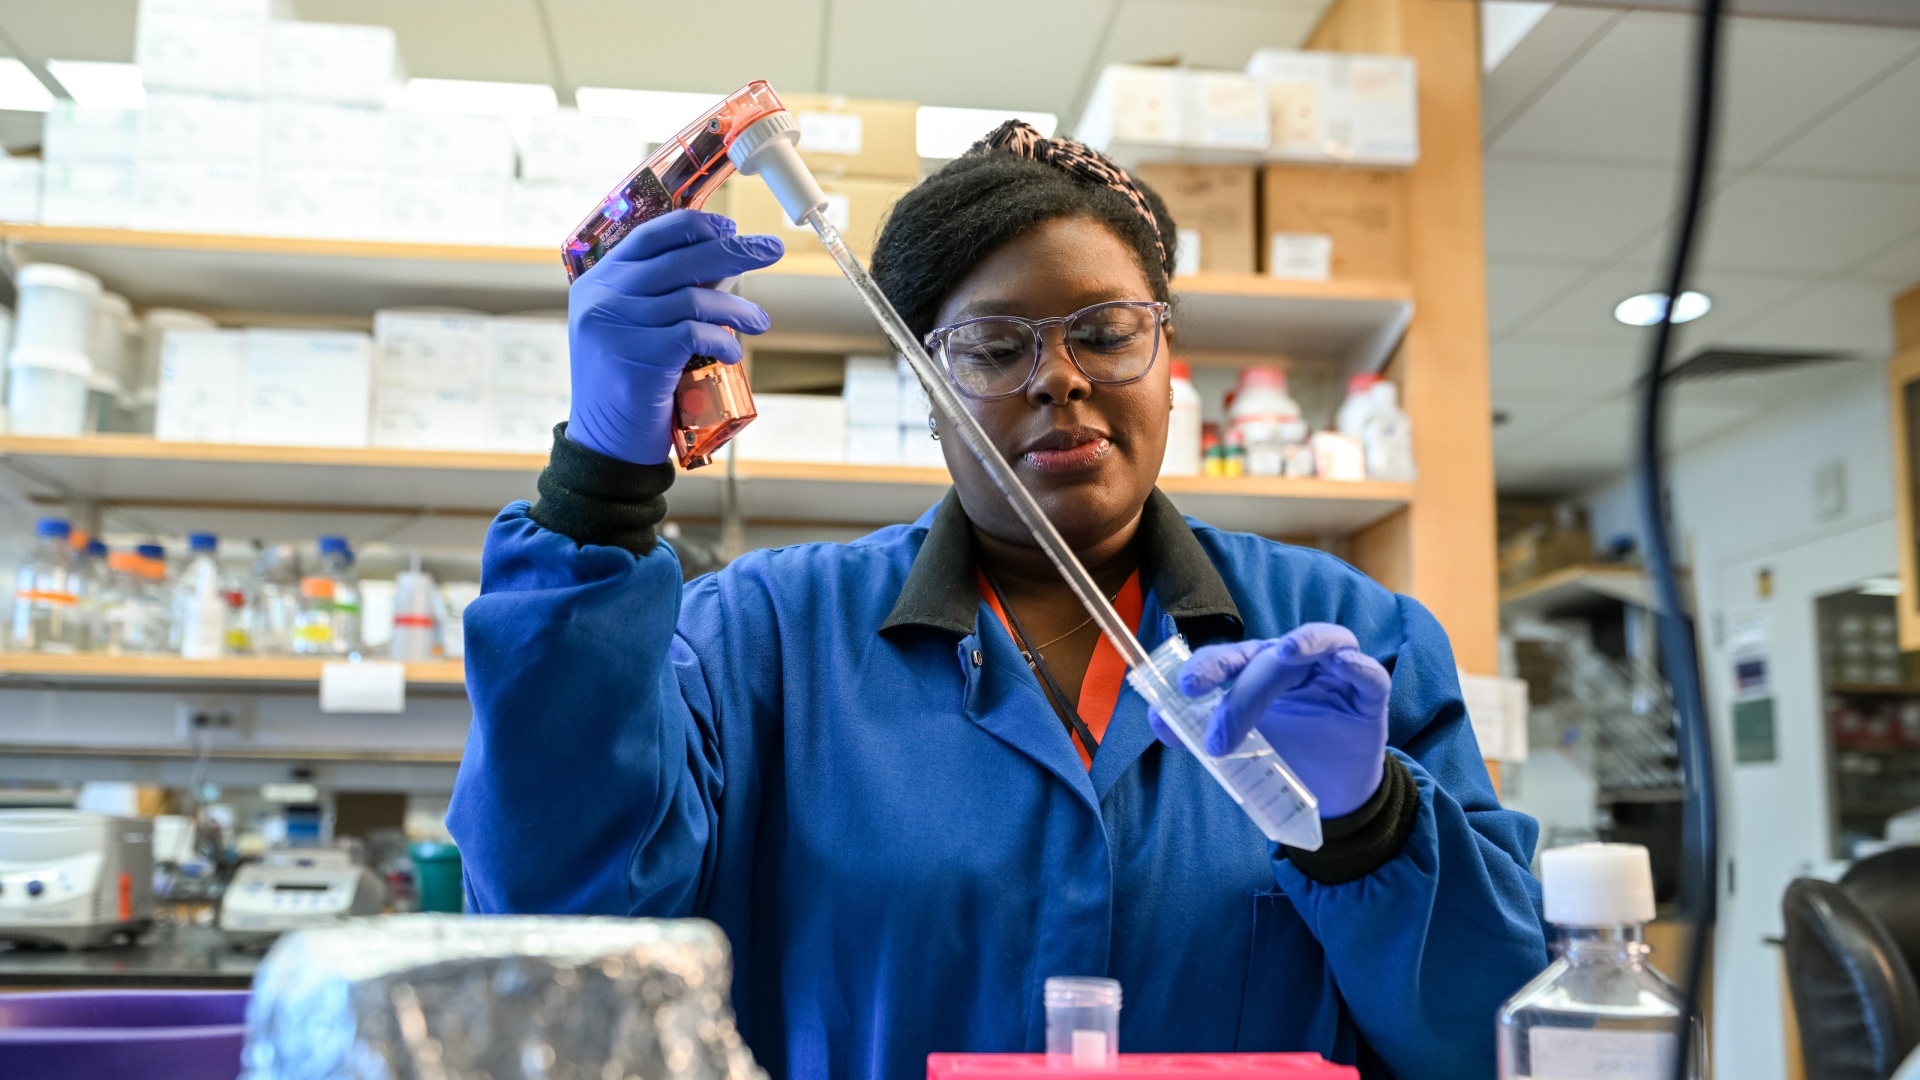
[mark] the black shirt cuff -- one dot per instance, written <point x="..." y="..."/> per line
<point x="591" y="498"/>
<point x="1359" y="843"/>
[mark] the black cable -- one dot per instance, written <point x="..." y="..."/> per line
<point x="1699" y="828"/>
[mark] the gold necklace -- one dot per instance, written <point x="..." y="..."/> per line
<point x="1114" y="599"/>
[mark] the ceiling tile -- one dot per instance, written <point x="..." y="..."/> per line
<point x="71" y="29"/>
<point x="1596" y="443"/>
<point x="1876" y="133"/>
<point x="1570" y="374"/>
<point x="1541" y="56"/>
<point x="1514" y="290"/>
<point x="597" y="44"/>
<point x="1204" y="34"/>
<point x="1898" y="265"/>
<point x="1585" y="314"/>
<point x="1848" y="316"/>
<point x="1804" y="225"/>
<point x="1570" y="213"/>
<point x="996" y="54"/>
<point x="497" y="40"/>
<point x="1525" y="419"/>
<point x="1767" y="391"/>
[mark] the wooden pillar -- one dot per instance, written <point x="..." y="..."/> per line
<point x="1441" y="551"/>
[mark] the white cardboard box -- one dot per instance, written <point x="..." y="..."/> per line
<point x="871" y="445"/>
<point x="197" y="128"/>
<point x="449" y="144"/>
<point x="322" y="202"/>
<point x="871" y="389"/>
<point x="524" y="422"/>
<point x="306" y="388"/>
<point x="1132" y="105"/>
<point x="796" y="427"/>
<point x="430" y="350"/>
<point x="544" y="215"/>
<point x="530" y="356"/>
<point x="200" y="52"/>
<point x="332" y="62"/>
<point x="20" y="183"/>
<point x="567" y="145"/>
<point x="216" y="197"/>
<point x="1347" y="108"/>
<point x="220" y="9"/>
<point x="446" y="209"/>
<point x="72" y="133"/>
<point x="431" y="419"/>
<point x="1222" y="111"/>
<point x="202" y="384"/>
<point x="325" y="135"/>
<point x="100" y="196"/>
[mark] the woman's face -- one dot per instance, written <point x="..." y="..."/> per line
<point x="1088" y="452"/>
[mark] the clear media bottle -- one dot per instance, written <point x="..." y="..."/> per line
<point x="329" y="622"/>
<point x="1600" y="1009"/>
<point x="200" y="602"/>
<point x="135" y="611"/>
<point x="46" y="595"/>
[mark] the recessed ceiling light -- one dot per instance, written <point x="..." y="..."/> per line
<point x="19" y="90"/>
<point x="100" y="86"/>
<point x="1647" y="308"/>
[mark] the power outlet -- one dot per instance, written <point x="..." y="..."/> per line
<point x="218" y="721"/>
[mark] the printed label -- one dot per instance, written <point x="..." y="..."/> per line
<point x="1186" y="253"/>
<point x="1300" y="256"/>
<point x="831" y="133"/>
<point x="1585" y="1054"/>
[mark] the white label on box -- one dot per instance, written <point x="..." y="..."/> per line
<point x="95" y="195"/>
<point x="431" y="419"/>
<point x="1224" y="111"/>
<point x="200" y="128"/>
<point x="368" y="686"/>
<point x="566" y="146"/>
<point x="831" y="133"/>
<point x="196" y="52"/>
<point x="324" y="135"/>
<point x="424" y="351"/>
<point x="306" y="388"/>
<point x="73" y="133"/>
<point x="213" y="197"/>
<point x="796" y="427"/>
<point x="544" y="215"/>
<point x="525" y="421"/>
<point x="1497" y="709"/>
<point x="202" y="383"/>
<point x="321" y="202"/>
<point x="530" y="356"/>
<point x="1300" y="256"/>
<point x="449" y="144"/>
<point x="446" y="209"/>
<point x="1186" y="252"/>
<point x="1585" y="1054"/>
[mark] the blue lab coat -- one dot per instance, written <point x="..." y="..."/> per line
<point x="858" y="778"/>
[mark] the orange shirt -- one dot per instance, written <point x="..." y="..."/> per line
<point x="1106" y="672"/>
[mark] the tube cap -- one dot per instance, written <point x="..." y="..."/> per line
<point x="59" y="277"/>
<point x="97" y="548"/>
<point x="1358" y="384"/>
<point x="53" y="529"/>
<point x="333" y="545"/>
<point x="1262" y="375"/>
<point x="1181" y="370"/>
<point x="1069" y="992"/>
<point x="203" y="542"/>
<point x="1597" y="884"/>
<point x="151" y="551"/>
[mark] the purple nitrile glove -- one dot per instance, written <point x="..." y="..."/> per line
<point x="1319" y="700"/>
<point x="638" y="316"/>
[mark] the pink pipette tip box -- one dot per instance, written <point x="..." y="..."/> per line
<point x="1154" y="1066"/>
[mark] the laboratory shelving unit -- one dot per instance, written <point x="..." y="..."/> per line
<point x="1432" y="538"/>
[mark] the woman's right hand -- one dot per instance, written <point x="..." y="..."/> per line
<point x="638" y="316"/>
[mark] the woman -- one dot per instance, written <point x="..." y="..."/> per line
<point x="902" y="773"/>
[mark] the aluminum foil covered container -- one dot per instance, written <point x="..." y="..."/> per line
<point x="447" y="997"/>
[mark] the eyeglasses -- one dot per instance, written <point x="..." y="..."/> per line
<point x="997" y="356"/>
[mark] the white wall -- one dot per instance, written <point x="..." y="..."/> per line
<point x="1743" y="502"/>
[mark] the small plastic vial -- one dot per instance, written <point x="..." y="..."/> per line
<point x="1083" y="1022"/>
<point x="1599" y="1010"/>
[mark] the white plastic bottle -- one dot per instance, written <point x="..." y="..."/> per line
<point x="1265" y="419"/>
<point x="415" y="623"/>
<point x="1600" y="1009"/>
<point x="1351" y="420"/>
<point x="1387" y="435"/>
<point x="199" y="602"/>
<point x="1183" y="426"/>
<point x="46" y="595"/>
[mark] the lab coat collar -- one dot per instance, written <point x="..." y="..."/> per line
<point x="940" y="593"/>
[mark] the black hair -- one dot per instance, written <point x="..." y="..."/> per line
<point x="941" y="229"/>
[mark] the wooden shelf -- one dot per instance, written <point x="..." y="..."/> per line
<point x="1355" y="324"/>
<point x="138" y="471"/>
<point x="1573" y="586"/>
<point x="172" y="670"/>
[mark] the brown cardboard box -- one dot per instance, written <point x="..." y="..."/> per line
<point x="1213" y="206"/>
<point x="842" y="136"/>
<point x="750" y="204"/>
<point x="1362" y="211"/>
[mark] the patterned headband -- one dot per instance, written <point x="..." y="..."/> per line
<point x="1019" y="137"/>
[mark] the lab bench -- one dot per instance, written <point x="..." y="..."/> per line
<point x="167" y="957"/>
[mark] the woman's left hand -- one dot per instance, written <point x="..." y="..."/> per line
<point x="1319" y="700"/>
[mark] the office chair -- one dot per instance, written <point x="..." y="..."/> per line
<point x="1887" y="886"/>
<point x="1853" y="994"/>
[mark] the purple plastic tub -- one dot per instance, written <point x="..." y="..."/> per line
<point x="151" y="1034"/>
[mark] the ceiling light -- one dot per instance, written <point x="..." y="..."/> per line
<point x="947" y="133"/>
<point x="490" y="98"/>
<point x="1879" y="586"/>
<point x="19" y="90"/>
<point x="1647" y="308"/>
<point x="660" y="114"/>
<point x="100" y="86"/>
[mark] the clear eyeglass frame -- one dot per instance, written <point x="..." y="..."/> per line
<point x="936" y="343"/>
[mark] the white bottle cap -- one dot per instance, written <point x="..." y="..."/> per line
<point x="1597" y="884"/>
<point x="766" y="149"/>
